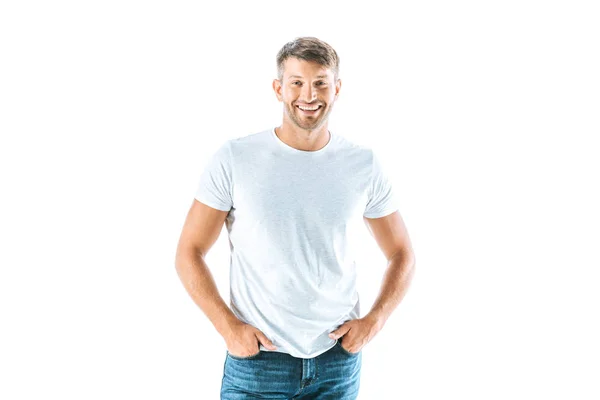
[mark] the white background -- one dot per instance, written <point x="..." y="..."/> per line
<point x="484" y="113"/>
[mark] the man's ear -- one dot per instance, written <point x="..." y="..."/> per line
<point x="277" y="89"/>
<point x="338" y="86"/>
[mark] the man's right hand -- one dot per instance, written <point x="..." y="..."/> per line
<point x="243" y="340"/>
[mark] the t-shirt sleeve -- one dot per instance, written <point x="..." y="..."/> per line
<point x="382" y="200"/>
<point x="215" y="186"/>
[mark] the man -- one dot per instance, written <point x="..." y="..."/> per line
<point x="290" y="198"/>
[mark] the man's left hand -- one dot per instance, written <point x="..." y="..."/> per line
<point x="357" y="333"/>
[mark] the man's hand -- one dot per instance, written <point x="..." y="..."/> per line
<point x="357" y="333"/>
<point x="243" y="339"/>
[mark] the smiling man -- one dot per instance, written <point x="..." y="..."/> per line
<point x="308" y="91"/>
<point x="291" y="198"/>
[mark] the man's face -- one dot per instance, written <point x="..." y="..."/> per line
<point x="308" y="91"/>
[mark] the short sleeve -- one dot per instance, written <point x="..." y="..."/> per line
<point x="381" y="196"/>
<point x="216" y="181"/>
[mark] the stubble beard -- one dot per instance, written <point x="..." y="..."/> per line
<point x="307" y="123"/>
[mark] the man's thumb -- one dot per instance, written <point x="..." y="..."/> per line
<point x="264" y="340"/>
<point x="339" y="332"/>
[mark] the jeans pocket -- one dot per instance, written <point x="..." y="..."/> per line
<point x="339" y="344"/>
<point x="243" y="358"/>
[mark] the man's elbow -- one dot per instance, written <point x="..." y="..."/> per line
<point x="186" y="255"/>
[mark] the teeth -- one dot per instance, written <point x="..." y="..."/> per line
<point x="308" y="109"/>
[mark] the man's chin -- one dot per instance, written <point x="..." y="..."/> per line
<point x="309" y="123"/>
<point x="310" y="127"/>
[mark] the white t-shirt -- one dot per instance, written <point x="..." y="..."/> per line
<point x="292" y="214"/>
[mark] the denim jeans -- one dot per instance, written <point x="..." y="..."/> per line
<point x="334" y="374"/>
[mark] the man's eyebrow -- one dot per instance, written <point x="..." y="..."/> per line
<point x="298" y="76"/>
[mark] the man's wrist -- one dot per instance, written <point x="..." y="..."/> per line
<point x="226" y="323"/>
<point x="376" y="319"/>
<point x="230" y="322"/>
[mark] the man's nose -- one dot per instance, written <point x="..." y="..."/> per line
<point x="308" y="93"/>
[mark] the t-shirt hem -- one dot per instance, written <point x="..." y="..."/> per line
<point x="297" y="355"/>
<point x="212" y="204"/>
<point x="381" y="213"/>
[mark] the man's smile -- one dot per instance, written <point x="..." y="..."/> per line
<point x="309" y="110"/>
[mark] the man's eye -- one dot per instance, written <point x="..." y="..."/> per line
<point x="321" y="83"/>
<point x="293" y="83"/>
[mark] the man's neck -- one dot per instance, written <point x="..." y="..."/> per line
<point x="302" y="139"/>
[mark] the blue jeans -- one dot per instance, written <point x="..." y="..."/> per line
<point x="333" y="375"/>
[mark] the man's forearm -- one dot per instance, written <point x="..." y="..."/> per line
<point x="200" y="285"/>
<point x="396" y="281"/>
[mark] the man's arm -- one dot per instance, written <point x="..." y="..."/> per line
<point x="202" y="228"/>
<point x="200" y="231"/>
<point x="392" y="237"/>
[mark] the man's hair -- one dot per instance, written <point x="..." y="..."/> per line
<point x="309" y="49"/>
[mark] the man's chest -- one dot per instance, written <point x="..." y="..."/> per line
<point x="335" y="192"/>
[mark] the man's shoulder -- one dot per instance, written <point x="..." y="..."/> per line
<point x="350" y="147"/>
<point x="249" y="140"/>
<point x="351" y="143"/>
<point x="244" y="149"/>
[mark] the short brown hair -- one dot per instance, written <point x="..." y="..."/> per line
<point x="309" y="49"/>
